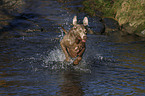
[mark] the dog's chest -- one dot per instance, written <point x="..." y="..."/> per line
<point x="77" y="46"/>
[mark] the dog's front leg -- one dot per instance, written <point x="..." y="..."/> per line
<point x="80" y="54"/>
<point x="79" y="58"/>
<point x="65" y="52"/>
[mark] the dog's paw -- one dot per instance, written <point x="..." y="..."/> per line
<point x="76" y="62"/>
<point x="68" y="59"/>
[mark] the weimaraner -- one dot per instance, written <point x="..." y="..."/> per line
<point x="73" y="42"/>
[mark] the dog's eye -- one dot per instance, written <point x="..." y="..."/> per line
<point x="85" y="31"/>
<point x="80" y="30"/>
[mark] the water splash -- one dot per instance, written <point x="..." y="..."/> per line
<point x="55" y="55"/>
<point x="55" y="60"/>
<point x="62" y="33"/>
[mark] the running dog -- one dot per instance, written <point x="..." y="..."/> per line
<point x="73" y="42"/>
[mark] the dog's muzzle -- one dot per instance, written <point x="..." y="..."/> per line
<point x="84" y="39"/>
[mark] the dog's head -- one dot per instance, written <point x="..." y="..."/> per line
<point x="79" y="29"/>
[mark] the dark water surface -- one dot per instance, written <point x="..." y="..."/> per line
<point x="31" y="61"/>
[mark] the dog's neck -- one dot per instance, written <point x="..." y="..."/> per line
<point x="77" y="41"/>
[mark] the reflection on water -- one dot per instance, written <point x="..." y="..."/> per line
<point x="71" y="86"/>
<point x="32" y="62"/>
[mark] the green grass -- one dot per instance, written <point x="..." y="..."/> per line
<point x="105" y="6"/>
<point x="129" y="12"/>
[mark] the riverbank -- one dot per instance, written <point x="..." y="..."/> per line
<point x="130" y="14"/>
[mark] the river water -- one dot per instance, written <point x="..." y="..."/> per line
<point x="31" y="60"/>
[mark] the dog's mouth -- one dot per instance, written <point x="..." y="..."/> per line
<point x="83" y="40"/>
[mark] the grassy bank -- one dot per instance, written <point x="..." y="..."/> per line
<point x="129" y="13"/>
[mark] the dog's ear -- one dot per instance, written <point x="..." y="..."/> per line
<point x="75" y="20"/>
<point x="85" y="21"/>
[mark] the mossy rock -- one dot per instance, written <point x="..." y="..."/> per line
<point x="140" y="30"/>
<point x="131" y="12"/>
<point x="128" y="29"/>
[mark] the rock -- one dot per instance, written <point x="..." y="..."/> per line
<point x="128" y="29"/>
<point x="142" y="33"/>
<point x="111" y="26"/>
<point x="139" y="31"/>
<point x="12" y="6"/>
<point x="98" y="28"/>
<point x="131" y="12"/>
<point x="111" y="23"/>
<point x="95" y="19"/>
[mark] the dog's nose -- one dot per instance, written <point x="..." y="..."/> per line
<point x="85" y="37"/>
